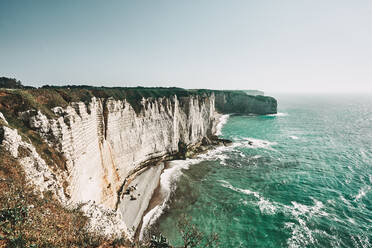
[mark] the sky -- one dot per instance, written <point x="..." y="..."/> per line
<point x="274" y="46"/>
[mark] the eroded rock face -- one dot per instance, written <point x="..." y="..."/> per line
<point x="36" y="170"/>
<point x="102" y="221"/>
<point x="3" y="118"/>
<point x="106" y="141"/>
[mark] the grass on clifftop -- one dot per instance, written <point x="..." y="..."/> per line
<point x="48" y="97"/>
<point x="26" y="220"/>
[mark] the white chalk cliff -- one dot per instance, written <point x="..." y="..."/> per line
<point x="106" y="145"/>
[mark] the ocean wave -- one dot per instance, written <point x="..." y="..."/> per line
<point x="223" y="120"/>
<point x="256" y="143"/>
<point x="252" y="143"/>
<point x="362" y="192"/>
<point x="263" y="204"/>
<point x="256" y="157"/>
<point x="278" y="114"/>
<point x="298" y="209"/>
<point x="167" y="184"/>
<point x="361" y="241"/>
<point x="301" y="234"/>
<point x="170" y="176"/>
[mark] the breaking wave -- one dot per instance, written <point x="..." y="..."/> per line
<point x="254" y="143"/>
<point x="300" y="214"/>
<point x="170" y="176"/>
<point x="264" y="205"/>
<point x="278" y="114"/>
<point x="221" y="123"/>
<point x="167" y="185"/>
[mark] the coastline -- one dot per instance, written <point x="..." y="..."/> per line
<point x="171" y="171"/>
<point x="156" y="199"/>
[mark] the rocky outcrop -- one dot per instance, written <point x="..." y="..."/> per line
<point x="242" y="103"/>
<point x="2" y="118"/>
<point x="101" y="220"/>
<point x="37" y="171"/>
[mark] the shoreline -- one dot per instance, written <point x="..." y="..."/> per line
<point x="158" y="199"/>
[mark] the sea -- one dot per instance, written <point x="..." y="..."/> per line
<point x="299" y="178"/>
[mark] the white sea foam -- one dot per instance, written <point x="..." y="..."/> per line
<point x="301" y="234"/>
<point x="170" y="175"/>
<point x="169" y="178"/>
<point x="264" y="205"/>
<point x="362" y="192"/>
<point x="298" y="209"/>
<point x="342" y="198"/>
<point x="242" y="155"/>
<point x="257" y="156"/>
<point x="279" y="114"/>
<point x="361" y="241"/>
<point x="167" y="185"/>
<point x="256" y="143"/>
<point x="221" y="123"/>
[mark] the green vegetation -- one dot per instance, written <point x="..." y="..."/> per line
<point x="22" y="98"/>
<point x="26" y="220"/>
<point x="48" y="97"/>
<point x="12" y="103"/>
<point x="10" y="83"/>
<point x="192" y="237"/>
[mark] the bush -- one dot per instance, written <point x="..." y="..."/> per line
<point x="159" y="242"/>
<point x="192" y="237"/>
<point x="10" y="83"/>
<point x="26" y="220"/>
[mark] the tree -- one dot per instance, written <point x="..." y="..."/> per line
<point x="192" y="237"/>
<point x="10" y="83"/>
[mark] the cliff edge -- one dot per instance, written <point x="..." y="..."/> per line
<point x="97" y="145"/>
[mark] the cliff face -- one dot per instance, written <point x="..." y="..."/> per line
<point x="242" y="103"/>
<point x="109" y="146"/>
<point x="106" y="141"/>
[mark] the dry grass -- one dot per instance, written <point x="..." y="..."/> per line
<point x="26" y="220"/>
<point x="11" y="104"/>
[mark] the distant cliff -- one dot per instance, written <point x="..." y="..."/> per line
<point x="254" y="92"/>
<point x="88" y="144"/>
<point x="241" y="103"/>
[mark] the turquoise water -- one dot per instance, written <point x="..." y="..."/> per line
<point x="301" y="178"/>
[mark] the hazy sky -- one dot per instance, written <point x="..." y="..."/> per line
<point x="275" y="46"/>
